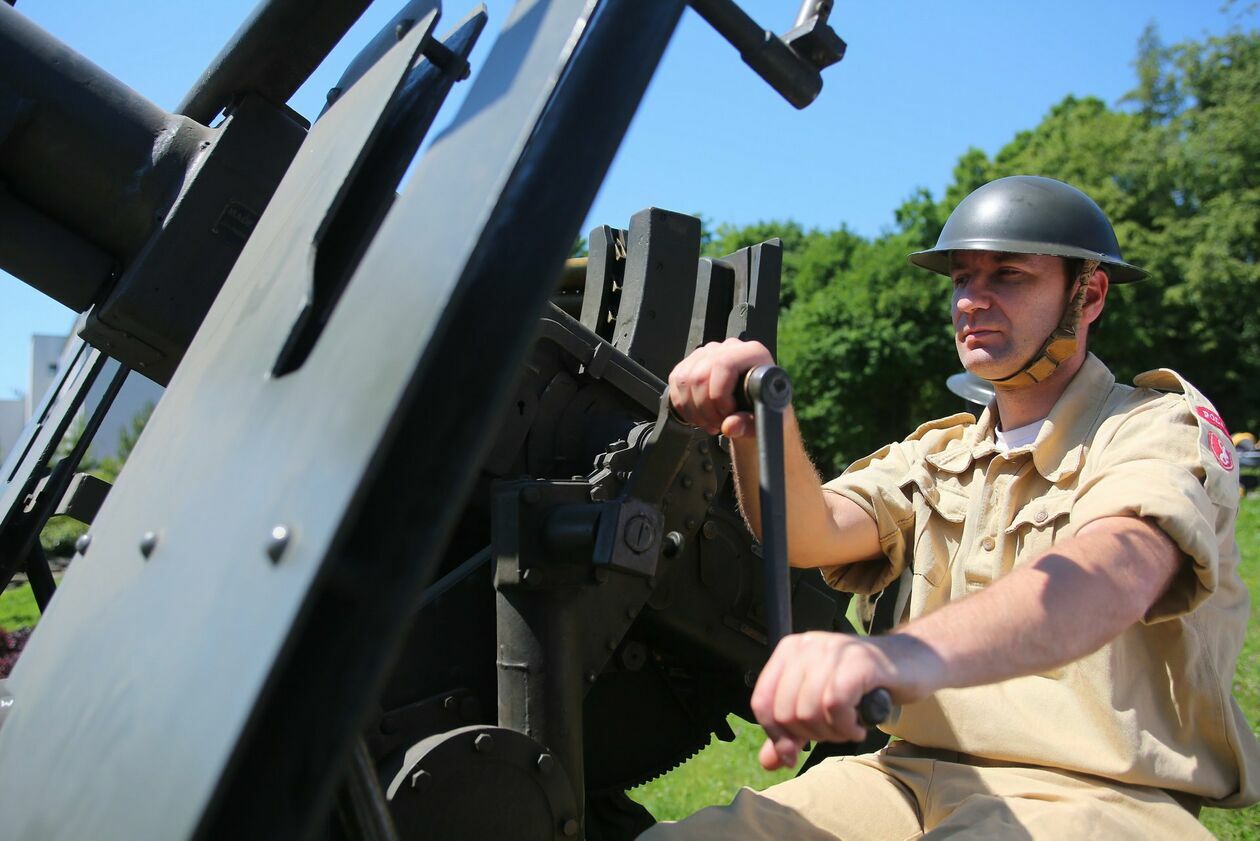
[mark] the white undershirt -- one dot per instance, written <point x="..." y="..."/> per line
<point x="1021" y="436"/>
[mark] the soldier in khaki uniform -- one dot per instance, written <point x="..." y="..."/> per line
<point x="1070" y="604"/>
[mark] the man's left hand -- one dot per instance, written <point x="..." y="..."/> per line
<point x="810" y="688"/>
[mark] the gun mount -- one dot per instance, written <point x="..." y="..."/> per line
<point x="346" y="587"/>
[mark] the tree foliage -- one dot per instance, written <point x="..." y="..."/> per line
<point x="1176" y="166"/>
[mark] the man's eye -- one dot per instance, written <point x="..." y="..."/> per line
<point x="959" y="280"/>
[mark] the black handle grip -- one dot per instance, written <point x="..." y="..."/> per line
<point x="874" y="707"/>
<point x="766" y="384"/>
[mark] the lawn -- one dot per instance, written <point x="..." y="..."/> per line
<point x="17" y="608"/>
<point x="718" y="771"/>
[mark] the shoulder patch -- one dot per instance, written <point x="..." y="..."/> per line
<point x="960" y="419"/>
<point x="1215" y="447"/>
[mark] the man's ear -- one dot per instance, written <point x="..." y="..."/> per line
<point x="1095" y="297"/>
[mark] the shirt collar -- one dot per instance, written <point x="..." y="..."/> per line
<point x="1060" y="446"/>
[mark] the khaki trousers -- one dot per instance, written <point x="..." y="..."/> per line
<point x="906" y="792"/>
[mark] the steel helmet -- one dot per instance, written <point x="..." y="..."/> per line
<point x="1028" y="214"/>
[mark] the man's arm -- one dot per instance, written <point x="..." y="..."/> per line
<point x="1061" y="606"/>
<point x="823" y="529"/>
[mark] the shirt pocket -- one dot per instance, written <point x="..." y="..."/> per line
<point x="940" y="507"/>
<point x="1035" y="525"/>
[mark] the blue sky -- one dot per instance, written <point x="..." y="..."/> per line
<point x="922" y="82"/>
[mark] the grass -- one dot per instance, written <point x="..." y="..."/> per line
<point x="17" y="608"/>
<point x="1244" y="824"/>
<point x="716" y="773"/>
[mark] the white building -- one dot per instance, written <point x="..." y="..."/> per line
<point x="138" y="396"/>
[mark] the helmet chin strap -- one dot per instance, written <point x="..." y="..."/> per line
<point x="1061" y="344"/>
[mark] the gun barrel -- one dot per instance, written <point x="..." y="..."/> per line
<point x="73" y="141"/>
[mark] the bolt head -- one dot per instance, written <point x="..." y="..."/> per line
<point x="545" y="763"/>
<point x="421" y="780"/>
<point x="639" y="533"/>
<point x="710" y="529"/>
<point x="148" y="542"/>
<point x="81" y="545"/>
<point x="673" y="543"/>
<point x="277" y="542"/>
<point x="484" y="743"/>
<point x="570" y="827"/>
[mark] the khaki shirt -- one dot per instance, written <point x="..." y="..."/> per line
<point x="1154" y="707"/>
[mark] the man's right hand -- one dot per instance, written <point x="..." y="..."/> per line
<point x="702" y="386"/>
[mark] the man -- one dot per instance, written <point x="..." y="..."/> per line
<point x="1070" y="603"/>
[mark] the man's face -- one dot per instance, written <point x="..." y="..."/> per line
<point x="1004" y="307"/>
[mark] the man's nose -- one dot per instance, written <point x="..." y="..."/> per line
<point x="971" y="295"/>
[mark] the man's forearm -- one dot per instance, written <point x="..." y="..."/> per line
<point x="819" y="533"/>
<point x="1062" y="606"/>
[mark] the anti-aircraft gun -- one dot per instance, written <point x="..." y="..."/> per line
<point x="407" y="550"/>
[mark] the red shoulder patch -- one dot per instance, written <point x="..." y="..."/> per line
<point x="1211" y="417"/>
<point x="1224" y="452"/>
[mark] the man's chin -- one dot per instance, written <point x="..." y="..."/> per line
<point x="983" y="364"/>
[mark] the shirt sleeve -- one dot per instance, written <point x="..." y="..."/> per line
<point x="874" y="483"/>
<point x="1159" y="466"/>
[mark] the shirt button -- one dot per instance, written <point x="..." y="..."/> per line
<point x="987" y="543"/>
<point x="1040" y="516"/>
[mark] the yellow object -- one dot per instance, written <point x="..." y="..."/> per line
<point x="1240" y="437"/>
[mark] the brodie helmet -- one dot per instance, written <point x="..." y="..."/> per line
<point x="1028" y="214"/>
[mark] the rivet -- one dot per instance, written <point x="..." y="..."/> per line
<point x="707" y="466"/>
<point x="570" y="827"/>
<point x="403" y="27"/>
<point x="333" y="95"/>
<point x="148" y="542"/>
<point x="703" y="447"/>
<point x="545" y="763"/>
<point x="687" y="481"/>
<point x="708" y="496"/>
<point x="709" y="530"/>
<point x="672" y="544"/>
<point x="81" y="545"/>
<point x="277" y="543"/>
<point x="421" y="780"/>
<point x="484" y="743"/>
